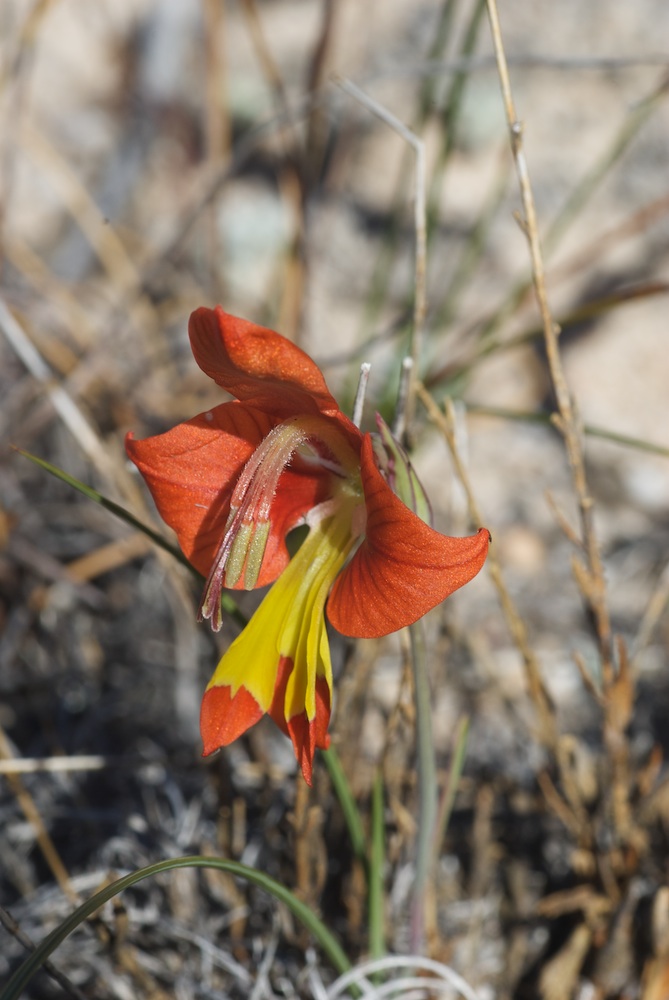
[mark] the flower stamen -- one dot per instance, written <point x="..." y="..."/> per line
<point x="241" y="550"/>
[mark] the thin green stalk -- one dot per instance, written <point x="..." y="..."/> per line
<point x="451" y="114"/>
<point x="347" y="802"/>
<point x="114" y="508"/>
<point x="577" y="200"/>
<point x="377" y="947"/>
<point x="451" y="379"/>
<point x="473" y="250"/>
<point x="579" y="197"/>
<point x="326" y="940"/>
<point x="228" y="604"/>
<point x="450" y="791"/>
<point x="590" y="430"/>
<point x="427" y="785"/>
<point x="428" y="95"/>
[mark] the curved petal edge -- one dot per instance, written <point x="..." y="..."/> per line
<point x="403" y="568"/>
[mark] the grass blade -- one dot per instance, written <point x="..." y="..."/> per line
<point x="347" y="802"/>
<point x="300" y="910"/>
<point x="229" y="606"/>
<point x="377" y="947"/>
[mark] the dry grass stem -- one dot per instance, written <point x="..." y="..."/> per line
<point x="159" y="156"/>
<point x="29" y="765"/>
<point x="13" y="928"/>
<point x="34" y="817"/>
<point x="617" y="694"/>
<point x="107" y="245"/>
<point x="566" y="419"/>
<point x="68" y="411"/>
<point x="420" y="229"/>
<point x="653" y="614"/>
<point x="547" y="724"/>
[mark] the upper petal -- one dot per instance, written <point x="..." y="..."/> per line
<point x="403" y="568"/>
<point x="258" y="365"/>
<point x="192" y="470"/>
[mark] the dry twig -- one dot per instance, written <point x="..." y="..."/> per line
<point x="540" y="697"/>
<point x="566" y="419"/>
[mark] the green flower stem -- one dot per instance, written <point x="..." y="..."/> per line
<point x="326" y="940"/>
<point x="348" y="806"/>
<point x="377" y="947"/>
<point x="450" y="791"/>
<point x="427" y="785"/>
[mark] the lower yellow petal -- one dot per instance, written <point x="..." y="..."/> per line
<point x="290" y="623"/>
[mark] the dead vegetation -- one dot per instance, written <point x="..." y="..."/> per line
<point x="157" y="156"/>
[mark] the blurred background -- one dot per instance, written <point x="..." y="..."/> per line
<point x="158" y="155"/>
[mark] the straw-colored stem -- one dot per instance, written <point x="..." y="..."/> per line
<point x="427" y="785"/>
<point x="566" y="419"/>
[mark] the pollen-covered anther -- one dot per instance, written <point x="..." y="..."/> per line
<point x="241" y="551"/>
<point x="246" y="553"/>
<point x="234" y="565"/>
<point x="255" y="553"/>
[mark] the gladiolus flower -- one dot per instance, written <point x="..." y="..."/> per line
<point x="234" y="481"/>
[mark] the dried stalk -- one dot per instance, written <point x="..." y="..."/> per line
<point x="12" y="927"/>
<point x="420" y="226"/>
<point x="541" y="699"/>
<point x="566" y="419"/>
<point x="34" y="817"/>
<point x="617" y="687"/>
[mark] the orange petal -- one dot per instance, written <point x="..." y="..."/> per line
<point x="282" y="658"/>
<point x="192" y="470"/>
<point x="305" y="735"/>
<point x="261" y="367"/>
<point x="403" y="567"/>
<point x="224" y="718"/>
<point x="256" y="364"/>
<point x="276" y="710"/>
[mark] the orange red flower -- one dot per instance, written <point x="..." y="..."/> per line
<point x="234" y="481"/>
